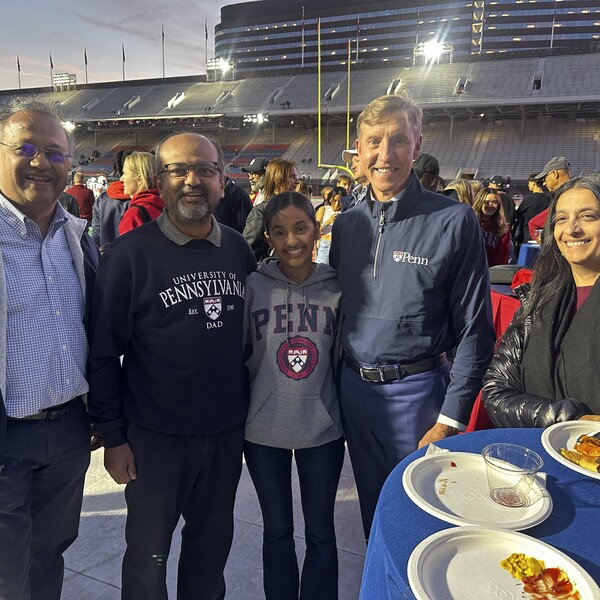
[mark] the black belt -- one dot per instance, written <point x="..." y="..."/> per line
<point x="49" y="414"/>
<point x="395" y="372"/>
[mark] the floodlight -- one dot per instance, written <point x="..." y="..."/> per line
<point x="433" y="49"/>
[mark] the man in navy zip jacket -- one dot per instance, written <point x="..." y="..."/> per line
<point x="170" y="300"/>
<point x="415" y="285"/>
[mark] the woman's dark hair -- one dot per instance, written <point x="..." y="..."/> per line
<point x="283" y="200"/>
<point x="552" y="272"/>
<point x="338" y="189"/>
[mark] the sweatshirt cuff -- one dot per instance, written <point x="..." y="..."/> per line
<point x="115" y="437"/>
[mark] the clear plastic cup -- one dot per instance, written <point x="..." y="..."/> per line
<point x="511" y="471"/>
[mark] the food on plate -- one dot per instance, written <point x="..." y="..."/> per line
<point x="539" y="582"/>
<point x="443" y="484"/>
<point x="520" y="566"/>
<point x="590" y="446"/>
<point x="587" y="462"/>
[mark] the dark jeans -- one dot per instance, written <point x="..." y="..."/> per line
<point x="194" y="476"/>
<point x="319" y="471"/>
<point x="42" y="471"/>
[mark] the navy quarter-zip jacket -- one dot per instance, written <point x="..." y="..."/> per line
<point x="415" y="284"/>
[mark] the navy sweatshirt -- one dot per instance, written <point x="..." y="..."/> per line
<point x="174" y="308"/>
<point x="415" y="284"/>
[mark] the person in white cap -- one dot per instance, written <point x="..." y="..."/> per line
<point x="256" y="175"/>
<point x="359" y="190"/>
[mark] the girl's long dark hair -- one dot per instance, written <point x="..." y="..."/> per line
<point x="333" y="192"/>
<point x="552" y="273"/>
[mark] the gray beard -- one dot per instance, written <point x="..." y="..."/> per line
<point x="192" y="213"/>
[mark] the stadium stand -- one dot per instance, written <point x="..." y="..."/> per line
<point x="482" y="116"/>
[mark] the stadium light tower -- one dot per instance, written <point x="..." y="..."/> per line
<point x="225" y="65"/>
<point x="220" y="69"/>
<point x="432" y="50"/>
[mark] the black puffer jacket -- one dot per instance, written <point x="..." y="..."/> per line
<point x="507" y="402"/>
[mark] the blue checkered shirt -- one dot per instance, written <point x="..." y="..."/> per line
<point x="46" y="344"/>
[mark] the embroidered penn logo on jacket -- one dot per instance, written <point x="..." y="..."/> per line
<point x="297" y="357"/>
<point x="403" y="256"/>
<point x="213" y="307"/>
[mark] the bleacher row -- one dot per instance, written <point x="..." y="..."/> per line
<point x="485" y="149"/>
<point x="503" y="146"/>
<point x="500" y="81"/>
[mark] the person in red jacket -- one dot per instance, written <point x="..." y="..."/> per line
<point x="84" y="197"/>
<point x="138" y="182"/>
<point x="488" y="208"/>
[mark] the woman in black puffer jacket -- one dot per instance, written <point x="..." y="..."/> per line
<point x="547" y="366"/>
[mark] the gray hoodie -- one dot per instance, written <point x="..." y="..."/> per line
<point x="291" y="329"/>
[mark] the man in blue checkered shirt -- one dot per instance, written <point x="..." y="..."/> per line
<point x="47" y="267"/>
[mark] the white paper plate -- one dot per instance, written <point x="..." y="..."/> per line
<point x="453" y="487"/>
<point x="463" y="563"/>
<point x="564" y="435"/>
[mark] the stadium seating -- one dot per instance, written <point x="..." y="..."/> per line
<point x="510" y="117"/>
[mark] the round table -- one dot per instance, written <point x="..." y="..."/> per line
<point x="400" y="525"/>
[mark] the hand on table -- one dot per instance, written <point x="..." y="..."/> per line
<point x="120" y="463"/>
<point x="438" y="432"/>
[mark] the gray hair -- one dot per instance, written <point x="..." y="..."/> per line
<point x="214" y="141"/>
<point x="384" y="107"/>
<point x="35" y="103"/>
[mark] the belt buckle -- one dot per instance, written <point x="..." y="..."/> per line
<point x="361" y="372"/>
<point x="378" y="370"/>
<point x="400" y="372"/>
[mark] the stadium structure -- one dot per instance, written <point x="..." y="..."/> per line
<point x="271" y="35"/>
<point x="482" y="116"/>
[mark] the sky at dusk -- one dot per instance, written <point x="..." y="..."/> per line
<point x="32" y="29"/>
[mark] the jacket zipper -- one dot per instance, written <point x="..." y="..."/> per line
<point x="379" y="236"/>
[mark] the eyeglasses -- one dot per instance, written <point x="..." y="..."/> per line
<point x="181" y="170"/>
<point x="29" y="151"/>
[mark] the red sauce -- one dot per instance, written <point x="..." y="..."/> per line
<point x="453" y="464"/>
<point x="550" y="584"/>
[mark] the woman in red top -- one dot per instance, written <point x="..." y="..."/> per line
<point x="138" y="182"/>
<point x="488" y="208"/>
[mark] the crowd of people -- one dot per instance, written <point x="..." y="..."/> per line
<point x="196" y="324"/>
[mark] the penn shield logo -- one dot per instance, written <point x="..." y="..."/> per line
<point x="407" y="257"/>
<point x="213" y="307"/>
<point x="297" y="357"/>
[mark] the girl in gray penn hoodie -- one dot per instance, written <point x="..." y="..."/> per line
<point x="291" y="314"/>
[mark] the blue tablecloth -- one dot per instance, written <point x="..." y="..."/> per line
<point x="400" y="525"/>
<point x="528" y="253"/>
